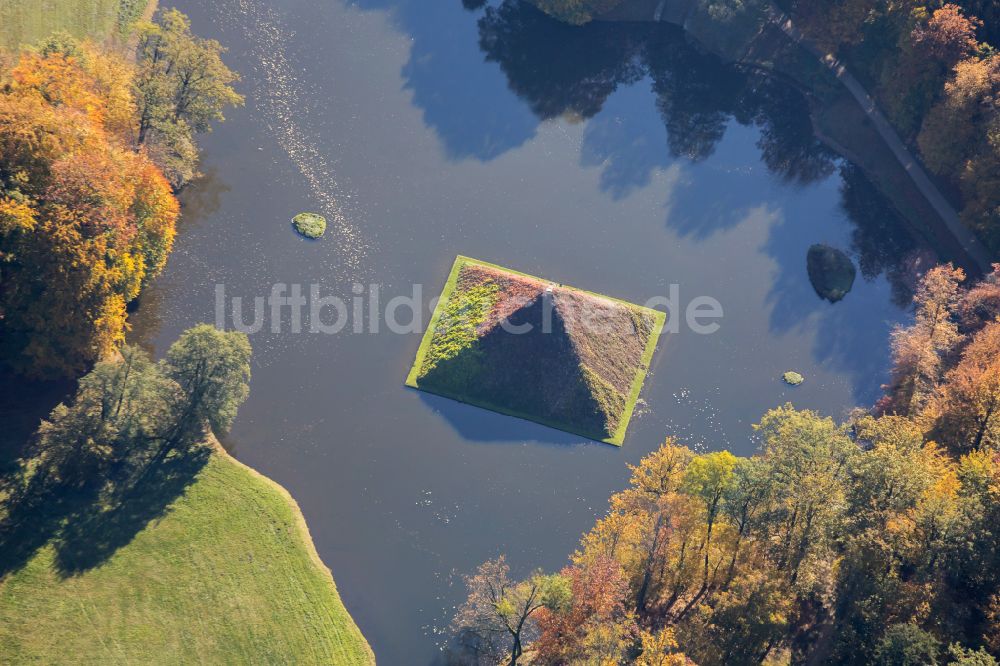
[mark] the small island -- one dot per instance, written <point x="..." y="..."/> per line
<point x="519" y="345"/>
<point x="310" y="225"/>
<point x="792" y="378"/>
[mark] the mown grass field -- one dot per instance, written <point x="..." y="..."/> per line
<point x="28" y="21"/>
<point x="228" y="574"/>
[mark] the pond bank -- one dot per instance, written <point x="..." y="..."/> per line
<point x="845" y="116"/>
<point x="225" y="570"/>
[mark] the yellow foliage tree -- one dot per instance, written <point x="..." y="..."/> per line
<point x="85" y="220"/>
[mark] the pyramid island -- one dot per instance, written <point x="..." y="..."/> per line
<point x="526" y="347"/>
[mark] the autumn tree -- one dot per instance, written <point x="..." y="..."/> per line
<point x="85" y="221"/>
<point x="833" y="24"/>
<point x="743" y="623"/>
<point x="595" y="625"/>
<point x="959" y="140"/>
<point x="919" y="351"/>
<point x="928" y="51"/>
<point x="980" y="305"/>
<point x="969" y="400"/>
<point x="837" y="543"/>
<point x="870" y="541"/>
<point x="499" y="616"/>
<point x="989" y="12"/>
<point x="953" y="128"/>
<point x="886" y="571"/>
<point x="660" y="648"/>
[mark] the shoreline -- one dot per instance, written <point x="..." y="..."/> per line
<point x="204" y="540"/>
<point x="858" y="131"/>
<point x="300" y="521"/>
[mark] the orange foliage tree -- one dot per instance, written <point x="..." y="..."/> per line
<point x="928" y="52"/>
<point x="919" y="351"/>
<point x="85" y="221"/>
<point x="969" y="402"/>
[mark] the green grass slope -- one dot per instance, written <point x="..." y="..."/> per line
<point x="578" y="365"/>
<point x="227" y="575"/>
<point x="28" y="21"/>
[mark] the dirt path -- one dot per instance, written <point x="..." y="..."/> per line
<point x="910" y="164"/>
<point x="677" y="11"/>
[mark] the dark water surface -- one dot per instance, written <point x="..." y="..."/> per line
<point x="614" y="158"/>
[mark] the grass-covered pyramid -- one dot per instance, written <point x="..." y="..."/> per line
<point x="549" y="353"/>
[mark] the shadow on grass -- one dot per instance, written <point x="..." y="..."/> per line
<point x="96" y="532"/>
<point x="34" y="518"/>
<point x="84" y="526"/>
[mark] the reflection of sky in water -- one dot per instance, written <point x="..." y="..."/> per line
<point x="473" y="115"/>
<point x="626" y="141"/>
<point x="598" y="201"/>
<point x="401" y="110"/>
<point x="460" y="99"/>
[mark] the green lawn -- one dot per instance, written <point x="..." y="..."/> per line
<point x="227" y="574"/>
<point x="28" y="21"/>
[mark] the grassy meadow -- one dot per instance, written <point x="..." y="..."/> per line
<point x="226" y="573"/>
<point x="27" y="22"/>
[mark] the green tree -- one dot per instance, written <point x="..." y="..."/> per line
<point x="131" y="413"/>
<point x="808" y="457"/>
<point x="118" y="410"/>
<point x="709" y="478"/>
<point x="211" y="369"/>
<point x="182" y="86"/>
<point x="907" y="645"/>
<point x="960" y="656"/>
<point x="745" y="501"/>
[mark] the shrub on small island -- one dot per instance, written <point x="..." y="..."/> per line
<point x="792" y="378"/>
<point x="310" y="225"/>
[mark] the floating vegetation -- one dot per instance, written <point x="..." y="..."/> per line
<point x="310" y="225"/>
<point x="792" y="378"/>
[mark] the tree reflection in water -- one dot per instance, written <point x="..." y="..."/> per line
<point x="560" y="70"/>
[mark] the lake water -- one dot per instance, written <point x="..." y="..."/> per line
<point x="615" y="158"/>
